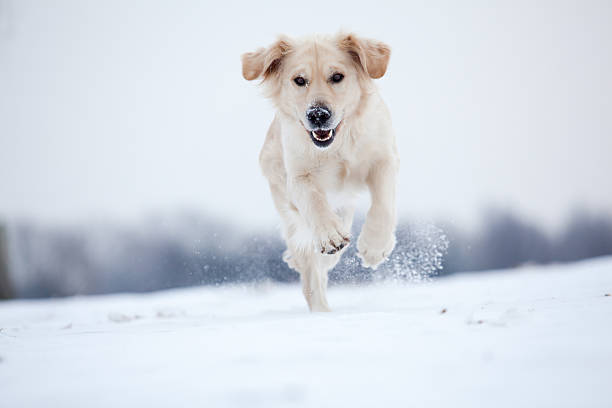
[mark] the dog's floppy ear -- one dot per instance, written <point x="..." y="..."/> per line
<point x="373" y="56"/>
<point x="265" y="61"/>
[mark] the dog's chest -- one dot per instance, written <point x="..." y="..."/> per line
<point x="342" y="182"/>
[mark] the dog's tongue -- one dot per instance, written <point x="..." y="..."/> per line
<point x="322" y="133"/>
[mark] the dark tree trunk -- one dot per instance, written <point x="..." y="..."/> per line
<point x="6" y="289"/>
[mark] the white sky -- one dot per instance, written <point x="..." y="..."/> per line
<point x="119" y="109"/>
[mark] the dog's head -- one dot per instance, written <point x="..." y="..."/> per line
<point x="319" y="82"/>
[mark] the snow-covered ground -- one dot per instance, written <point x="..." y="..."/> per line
<point x="537" y="337"/>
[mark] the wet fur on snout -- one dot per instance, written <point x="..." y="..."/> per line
<point x="303" y="175"/>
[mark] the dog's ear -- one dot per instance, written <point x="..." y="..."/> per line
<point x="373" y="56"/>
<point x="265" y="61"/>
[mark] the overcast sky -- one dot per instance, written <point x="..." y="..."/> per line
<point x="119" y="109"/>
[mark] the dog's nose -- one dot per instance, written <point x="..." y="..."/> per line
<point x="318" y="115"/>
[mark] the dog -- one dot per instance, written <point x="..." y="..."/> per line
<point x="331" y="137"/>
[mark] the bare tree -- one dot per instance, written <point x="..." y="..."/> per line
<point x="6" y="290"/>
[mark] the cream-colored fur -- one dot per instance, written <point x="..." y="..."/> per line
<point x="303" y="177"/>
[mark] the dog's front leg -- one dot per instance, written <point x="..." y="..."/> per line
<point x="326" y="226"/>
<point x="377" y="237"/>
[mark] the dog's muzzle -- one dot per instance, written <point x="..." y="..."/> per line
<point x="319" y="118"/>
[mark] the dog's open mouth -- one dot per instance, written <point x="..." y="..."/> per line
<point x="323" y="137"/>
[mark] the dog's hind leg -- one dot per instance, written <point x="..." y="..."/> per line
<point x="314" y="268"/>
<point x="314" y="285"/>
<point x="327" y="262"/>
<point x="315" y="278"/>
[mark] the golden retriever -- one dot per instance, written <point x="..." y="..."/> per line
<point x="331" y="137"/>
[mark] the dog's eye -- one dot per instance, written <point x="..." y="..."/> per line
<point x="299" y="81"/>
<point x="337" y="77"/>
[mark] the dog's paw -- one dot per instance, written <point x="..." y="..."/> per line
<point x="373" y="250"/>
<point x="331" y="238"/>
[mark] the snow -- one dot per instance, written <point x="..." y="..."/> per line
<point x="534" y="336"/>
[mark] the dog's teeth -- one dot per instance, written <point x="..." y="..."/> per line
<point x="329" y="135"/>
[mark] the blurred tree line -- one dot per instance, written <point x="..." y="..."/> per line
<point x="189" y="250"/>
<point x="506" y="241"/>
